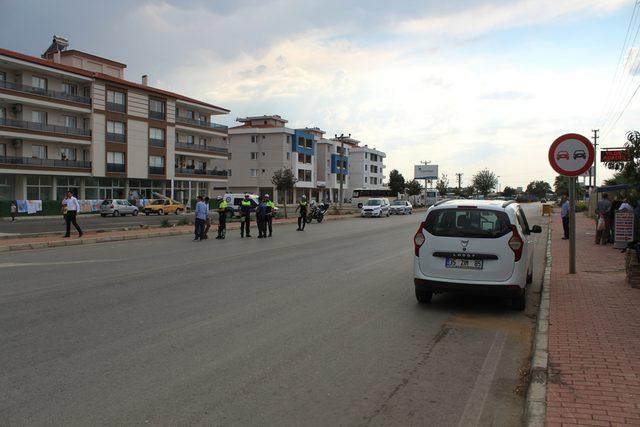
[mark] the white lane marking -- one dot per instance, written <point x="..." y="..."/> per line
<point x="39" y="264"/>
<point x="478" y="397"/>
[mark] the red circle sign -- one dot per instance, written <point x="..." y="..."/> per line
<point x="571" y="154"/>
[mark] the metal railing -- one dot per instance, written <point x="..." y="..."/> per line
<point x="201" y="123"/>
<point x="18" y="87"/>
<point x="115" y="167"/>
<point x="156" y="142"/>
<point x="42" y="127"/>
<point x="200" y="147"/>
<point x="189" y="171"/>
<point x="114" y="106"/>
<point x="157" y="115"/>
<point x="49" y="163"/>
<point x="116" y="137"/>
<point x="156" y="170"/>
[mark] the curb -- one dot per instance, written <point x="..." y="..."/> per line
<point x="536" y="402"/>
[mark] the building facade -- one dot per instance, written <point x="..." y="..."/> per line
<point x="69" y="120"/>
<point x="366" y="168"/>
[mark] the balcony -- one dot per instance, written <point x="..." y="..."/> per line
<point x="156" y="170"/>
<point x="156" y="115"/>
<point x="204" y="148"/>
<point x="201" y="123"/>
<point x="46" y="163"/>
<point x="43" y="92"/>
<point x="41" y="127"/>
<point x="156" y="142"/>
<point x="115" y="167"/>
<point x="118" y="108"/>
<point x="203" y="172"/>
<point x="116" y="137"/>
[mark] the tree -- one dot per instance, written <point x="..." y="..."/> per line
<point x="509" y="192"/>
<point x="442" y="185"/>
<point x="484" y="181"/>
<point x="538" y="189"/>
<point x="561" y="187"/>
<point x="284" y="180"/>
<point x="413" y="188"/>
<point x="396" y="182"/>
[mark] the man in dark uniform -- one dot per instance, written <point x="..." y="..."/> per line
<point x="302" y="216"/>
<point x="246" y="206"/>
<point x="261" y="219"/>
<point x="271" y="211"/>
<point x="222" y="217"/>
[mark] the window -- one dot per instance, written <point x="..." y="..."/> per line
<point x="288" y="139"/>
<point x="39" y="82"/>
<point x="365" y="179"/>
<point x="115" y="157"/>
<point x="39" y="151"/>
<point x="68" y="153"/>
<point x="477" y="223"/>
<point x="366" y="167"/>
<point x="202" y="141"/>
<point x="3" y="149"/>
<point x="365" y="155"/>
<point x="190" y="114"/>
<point x="69" y="88"/>
<point x="190" y="139"/>
<point x="254" y="138"/>
<point x="156" y="161"/>
<point x="3" y="76"/>
<point x="253" y="173"/>
<point x="156" y="133"/>
<point x="156" y="109"/>
<point x="115" y="101"/>
<point x="39" y="187"/>
<point x="71" y="121"/>
<point x="3" y="113"/>
<point x="254" y="155"/>
<point x="288" y="155"/>
<point x="39" y="117"/>
<point x="115" y="131"/>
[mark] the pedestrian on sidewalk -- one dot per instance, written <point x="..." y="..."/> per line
<point x="302" y="216"/>
<point x="564" y="214"/>
<point x="603" y="213"/>
<point x="208" y="221"/>
<point x="246" y="206"/>
<point x="72" y="207"/>
<point x="14" y="211"/>
<point x="271" y="211"/>
<point x="222" y="218"/>
<point x="201" y="218"/>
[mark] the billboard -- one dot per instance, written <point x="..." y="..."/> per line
<point x="618" y="155"/>
<point x="425" y="172"/>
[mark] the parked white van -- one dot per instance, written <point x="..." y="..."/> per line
<point x="234" y="200"/>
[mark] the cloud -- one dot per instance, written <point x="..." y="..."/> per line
<point x="510" y="95"/>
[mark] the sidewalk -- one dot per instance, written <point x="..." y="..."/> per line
<point x="594" y="335"/>
<point x="92" y="237"/>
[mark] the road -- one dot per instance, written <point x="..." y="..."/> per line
<point x="313" y="328"/>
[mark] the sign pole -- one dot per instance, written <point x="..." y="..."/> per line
<point x="572" y="225"/>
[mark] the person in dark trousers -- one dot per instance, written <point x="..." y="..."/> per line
<point x="261" y="219"/>
<point x="603" y="210"/>
<point x="246" y="206"/>
<point x="271" y="211"/>
<point x="564" y="214"/>
<point x="207" y="223"/>
<point x="13" y="211"/>
<point x="72" y="208"/>
<point x="222" y="217"/>
<point x="201" y="219"/>
<point x="302" y="216"/>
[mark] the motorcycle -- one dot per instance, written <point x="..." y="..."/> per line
<point x="317" y="212"/>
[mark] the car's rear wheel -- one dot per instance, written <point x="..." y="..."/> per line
<point x="146" y="213"/>
<point x="178" y="211"/>
<point x="520" y="303"/>
<point x="160" y="211"/>
<point x="135" y="213"/>
<point x="116" y="213"/>
<point x="423" y="297"/>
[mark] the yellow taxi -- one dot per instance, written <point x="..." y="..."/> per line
<point x="164" y="206"/>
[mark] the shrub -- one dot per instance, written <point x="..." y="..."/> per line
<point x="165" y="223"/>
<point x="183" y="221"/>
<point x="581" y="206"/>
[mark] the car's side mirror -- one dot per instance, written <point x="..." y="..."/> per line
<point x="536" y="229"/>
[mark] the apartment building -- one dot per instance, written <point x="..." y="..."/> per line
<point x="333" y="167"/>
<point x="366" y="167"/>
<point x="70" y="120"/>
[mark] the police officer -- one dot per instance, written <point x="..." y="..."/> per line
<point x="302" y="216"/>
<point x="246" y="206"/>
<point x="271" y="211"/>
<point x="222" y="217"/>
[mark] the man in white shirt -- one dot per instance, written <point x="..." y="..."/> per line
<point x="73" y="207"/>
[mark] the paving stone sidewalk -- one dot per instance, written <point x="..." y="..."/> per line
<point x="594" y="335"/>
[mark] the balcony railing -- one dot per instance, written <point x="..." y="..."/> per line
<point x="49" y="163"/>
<point x="62" y="130"/>
<point x="205" y="148"/>
<point x="156" y="115"/>
<point x="44" y="92"/>
<point x="156" y="170"/>
<point x="118" y="108"/>
<point x="156" y="142"/>
<point x="115" y="167"/>
<point x="201" y="123"/>
<point x="116" y="137"/>
<point x="189" y="171"/>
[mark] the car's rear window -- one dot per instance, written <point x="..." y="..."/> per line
<point x="460" y="222"/>
<point x="106" y="202"/>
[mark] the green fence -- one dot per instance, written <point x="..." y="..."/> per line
<point x="49" y="207"/>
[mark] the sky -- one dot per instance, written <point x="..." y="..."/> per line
<point x="464" y="84"/>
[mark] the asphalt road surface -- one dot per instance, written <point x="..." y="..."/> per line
<point x="313" y="328"/>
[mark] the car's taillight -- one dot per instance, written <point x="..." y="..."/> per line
<point x="516" y="243"/>
<point x="418" y="239"/>
<point x="113" y="206"/>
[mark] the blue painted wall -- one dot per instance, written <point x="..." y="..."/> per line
<point x="335" y="158"/>
<point x="299" y="148"/>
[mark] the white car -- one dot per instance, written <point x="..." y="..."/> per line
<point x="474" y="246"/>
<point x="400" y="207"/>
<point x="375" y="207"/>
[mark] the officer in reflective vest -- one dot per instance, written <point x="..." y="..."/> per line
<point x="302" y="217"/>
<point x="271" y="211"/>
<point x="246" y="206"/>
<point x="222" y="217"/>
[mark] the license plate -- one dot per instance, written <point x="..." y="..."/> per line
<point x="463" y="264"/>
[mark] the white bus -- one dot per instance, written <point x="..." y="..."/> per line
<point x="360" y="196"/>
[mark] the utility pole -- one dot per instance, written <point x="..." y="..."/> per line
<point x="595" y="161"/>
<point x="459" y="175"/>
<point x="341" y="169"/>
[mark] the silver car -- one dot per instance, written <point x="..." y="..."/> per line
<point x="117" y="207"/>
<point x="400" y="207"/>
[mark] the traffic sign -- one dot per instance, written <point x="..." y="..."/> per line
<point x="571" y="154"/>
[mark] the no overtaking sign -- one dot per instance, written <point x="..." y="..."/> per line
<point x="571" y="154"/>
